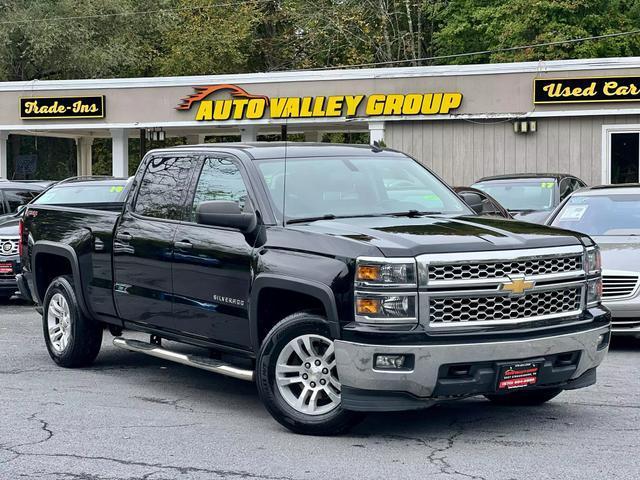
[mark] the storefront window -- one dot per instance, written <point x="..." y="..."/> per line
<point x="625" y="157"/>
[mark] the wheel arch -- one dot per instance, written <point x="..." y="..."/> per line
<point x="65" y="263"/>
<point x="319" y="293"/>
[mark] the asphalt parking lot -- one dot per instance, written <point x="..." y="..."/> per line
<point x="134" y="417"/>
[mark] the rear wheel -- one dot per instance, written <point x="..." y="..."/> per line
<point x="72" y="339"/>
<point x="525" y="398"/>
<point x="297" y="377"/>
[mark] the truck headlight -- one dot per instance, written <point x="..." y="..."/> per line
<point x="393" y="308"/>
<point x="594" y="291"/>
<point x="389" y="272"/>
<point x="593" y="263"/>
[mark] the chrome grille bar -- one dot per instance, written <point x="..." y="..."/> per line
<point x="477" y="288"/>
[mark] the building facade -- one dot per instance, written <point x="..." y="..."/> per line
<point x="575" y="116"/>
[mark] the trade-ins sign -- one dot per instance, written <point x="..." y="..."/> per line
<point x="37" y="108"/>
<point x="243" y="105"/>
<point x="586" y="89"/>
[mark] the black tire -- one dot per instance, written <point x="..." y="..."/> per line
<point x="525" y="398"/>
<point x="85" y="335"/>
<point x="5" y="298"/>
<point x="330" y="423"/>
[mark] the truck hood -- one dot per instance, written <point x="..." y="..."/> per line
<point x="400" y="236"/>
<point x="9" y="227"/>
<point x="620" y="252"/>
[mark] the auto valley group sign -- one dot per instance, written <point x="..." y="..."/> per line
<point x="230" y="102"/>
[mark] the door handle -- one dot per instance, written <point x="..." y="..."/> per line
<point x="185" y="245"/>
<point x="124" y="237"/>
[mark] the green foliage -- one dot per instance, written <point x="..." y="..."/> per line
<point x="470" y="25"/>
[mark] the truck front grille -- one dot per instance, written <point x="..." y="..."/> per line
<point x="618" y="285"/>
<point x="477" y="271"/>
<point x="8" y="246"/>
<point x="541" y="286"/>
<point x="461" y="310"/>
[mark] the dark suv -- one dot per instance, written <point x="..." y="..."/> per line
<point x="530" y="197"/>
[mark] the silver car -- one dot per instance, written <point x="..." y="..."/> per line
<point x="611" y="216"/>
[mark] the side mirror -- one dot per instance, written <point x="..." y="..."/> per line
<point x="222" y="213"/>
<point x="20" y="210"/>
<point x="474" y="201"/>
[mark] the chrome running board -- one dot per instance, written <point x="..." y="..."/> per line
<point x="204" y="363"/>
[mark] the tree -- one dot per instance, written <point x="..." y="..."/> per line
<point x="205" y="40"/>
<point x="469" y="26"/>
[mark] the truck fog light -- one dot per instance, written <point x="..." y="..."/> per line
<point x="390" y="362"/>
<point x="603" y="340"/>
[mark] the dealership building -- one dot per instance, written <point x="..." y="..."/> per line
<point x="571" y="116"/>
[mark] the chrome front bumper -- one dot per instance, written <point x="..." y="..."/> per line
<point x="356" y="369"/>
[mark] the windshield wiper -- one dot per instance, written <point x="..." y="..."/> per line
<point x="411" y="214"/>
<point x="328" y="216"/>
<point x="331" y="216"/>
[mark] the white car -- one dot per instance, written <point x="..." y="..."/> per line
<point x="611" y="216"/>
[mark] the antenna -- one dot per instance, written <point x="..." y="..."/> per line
<point x="284" y="136"/>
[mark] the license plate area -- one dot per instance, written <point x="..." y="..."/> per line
<point x="518" y="375"/>
<point x="6" y="268"/>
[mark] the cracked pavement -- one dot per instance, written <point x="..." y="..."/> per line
<point x="130" y="416"/>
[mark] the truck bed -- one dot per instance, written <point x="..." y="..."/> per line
<point x="89" y="234"/>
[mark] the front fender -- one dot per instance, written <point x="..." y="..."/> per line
<point x="312" y="288"/>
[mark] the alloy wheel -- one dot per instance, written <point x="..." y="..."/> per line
<point x="306" y="375"/>
<point x="59" y="322"/>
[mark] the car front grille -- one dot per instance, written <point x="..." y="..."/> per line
<point x="8" y="246"/>
<point x="460" y="310"/>
<point x="476" y="271"/>
<point x="618" y="285"/>
<point x="535" y="287"/>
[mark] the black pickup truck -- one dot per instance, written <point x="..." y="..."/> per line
<point x="342" y="279"/>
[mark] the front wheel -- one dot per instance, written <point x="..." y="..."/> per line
<point x="297" y="377"/>
<point x="72" y="339"/>
<point x="525" y="398"/>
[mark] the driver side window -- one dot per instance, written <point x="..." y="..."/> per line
<point x="220" y="179"/>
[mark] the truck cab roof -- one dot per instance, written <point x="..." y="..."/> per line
<point x="267" y="150"/>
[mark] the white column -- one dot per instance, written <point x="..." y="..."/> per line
<point x="84" y="155"/>
<point x="3" y="154"/>
<point x="376" y="132"/>
<point x="195" y="139"/>
<point x="120" y="152"/>
<point x="315" y="136"/>
<point x="248" y="134"/>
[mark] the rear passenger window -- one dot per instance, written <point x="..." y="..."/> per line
<point x="163" y="187"/>
<point x="220" y="179"/>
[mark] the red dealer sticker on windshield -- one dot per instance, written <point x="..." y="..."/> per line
<point x="518" y="375"/>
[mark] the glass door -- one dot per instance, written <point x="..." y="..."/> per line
<point x="625" y="157"/>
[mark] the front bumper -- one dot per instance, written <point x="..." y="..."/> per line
<point x="568" y="358"/>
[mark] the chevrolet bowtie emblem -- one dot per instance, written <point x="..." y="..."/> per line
<point x="517" y="286"/>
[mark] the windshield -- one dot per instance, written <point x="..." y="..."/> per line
<point x="616" y="214"/>
<point x="356" y="186"/>
<point x="66" y="194"/>
<point x="516" y="194"/>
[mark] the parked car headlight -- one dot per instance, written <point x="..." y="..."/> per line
<point x="386" y="272"/>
